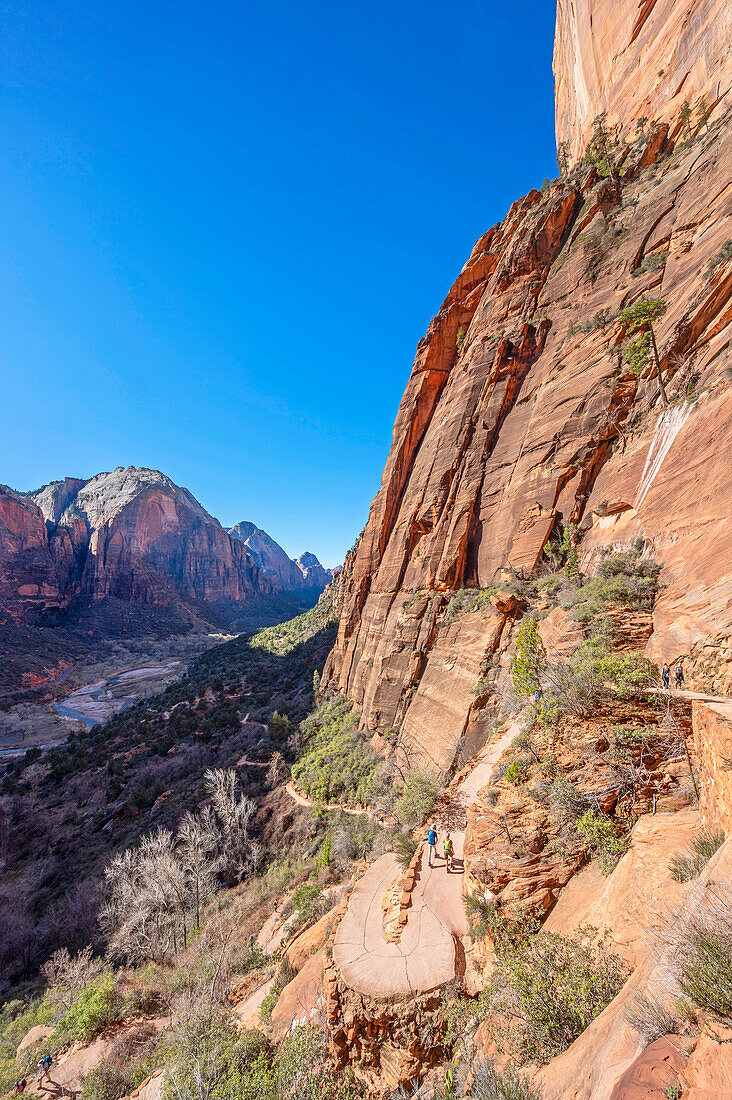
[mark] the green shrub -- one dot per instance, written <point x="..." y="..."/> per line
<point x="628" y="578"/>
<point x="336" y="765"/>
<point x="305" y="900"/>
<point x="529" y="659"/>
<point x="482" y="915"/>
<point x="95" y="1008"/>
<point x="685" y="867"/>
<point x="600" y="836"/>
<point x="546" y="989"/>
<point x="418" y="796"/>
<point x="516" y="773"/>
<point x="654" y="261"/>
<point x="16" y="1020"/>
<point x="467" y="599"/>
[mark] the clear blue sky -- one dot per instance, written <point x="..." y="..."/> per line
<point x="226" y="225"/>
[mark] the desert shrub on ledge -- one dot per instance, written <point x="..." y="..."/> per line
<point x="336" y="765"/>
<point x="467" y="599"/>
<point x="602" y="841"/>
<point x="686" y="866"/>
<point x="546" y="989"/>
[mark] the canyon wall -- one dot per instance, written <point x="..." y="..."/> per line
<point x="131" y="534"/>
<point x="284" y="573"/>
<point x="521" y="414"/>
<point x="637" y="60"/>
<point x="134" y="535"/>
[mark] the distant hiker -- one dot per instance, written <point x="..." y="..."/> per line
<point x="665" y="675"/>
<point x="20" y="1085"/>
<point x="44" y="1066"/>
<point x="431" y="844"/>
<point x="449" y="850"/>
<point x="535" y="700"/>
<point x="679" y="674"/>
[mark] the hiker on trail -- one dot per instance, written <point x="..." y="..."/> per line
<point x="665" y="675"/>
<point x="20" y="1085"/>
<point x="431" y="844"/>
<point x="679" y="675"/>
<point x="44" y="1066"/>
<point x="449" y="849"/>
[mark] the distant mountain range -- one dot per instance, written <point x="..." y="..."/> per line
<point x="134" y="535"/>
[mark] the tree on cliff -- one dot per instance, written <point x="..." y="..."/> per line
<point x="639" y="318"/>
<point x="601" y="149"/>
<point x="529" y="659"/>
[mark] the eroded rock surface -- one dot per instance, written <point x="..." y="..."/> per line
<point x="131" y="534"/>
<point x="636" y="60"/>
<point x="521" y="414"/>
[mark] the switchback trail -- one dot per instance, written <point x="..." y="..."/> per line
<point x="303" y="800"/>
<point x="425" y="956"/>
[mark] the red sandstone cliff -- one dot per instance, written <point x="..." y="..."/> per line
<point x="513" y="421"/>
<point x="131" y="534"/>
<point x="637" y="59"/>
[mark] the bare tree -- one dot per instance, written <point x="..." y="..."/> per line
<point x="239" y="852"/>
<point x="197" y="843"/>
<point x="67" y="975"/>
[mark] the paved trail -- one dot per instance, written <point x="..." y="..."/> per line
<point x="425" y="957"/>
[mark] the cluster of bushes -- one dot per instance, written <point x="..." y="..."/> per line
<point x="336" y="764"/>
<point x="112" y="775"/>
<point x="545" y="989"/>
<point x="467" y="599"/>
<point x="83" y="997"/>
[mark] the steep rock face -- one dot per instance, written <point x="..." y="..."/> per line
<point x="149" y="538"/>
<point x="515" y="418"/>
<point x="284" y="573"/>
<point x="274" y="563"/>
<point x="34" y="570"/>
<point x="635" y="59"/>
<point x="314" y="575"/>
<point x="713" y="744"/>
<point x="131" y="534"/>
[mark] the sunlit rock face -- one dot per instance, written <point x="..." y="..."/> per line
<point x="131" y="534"/>
<point x="637" y="59"/>
<point x="521" y="414"/>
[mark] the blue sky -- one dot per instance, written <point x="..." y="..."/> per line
<point x="225" y="226"/>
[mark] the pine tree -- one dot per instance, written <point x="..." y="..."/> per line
<point x="702" y="113"/>
<point x="685" y="120"/>
<point x="639" y="318"/>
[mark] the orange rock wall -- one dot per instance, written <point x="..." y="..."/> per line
<point x="713" y="741"/>
<point x="643" y="58"/>
<point x="525" y="422"/>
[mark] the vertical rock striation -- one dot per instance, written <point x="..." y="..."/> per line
<point x="636" y="60"/>
<point x="521" y="414"/>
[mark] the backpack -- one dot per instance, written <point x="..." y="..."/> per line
<point x="448" y="846"/>
<point x="432" y="837"/>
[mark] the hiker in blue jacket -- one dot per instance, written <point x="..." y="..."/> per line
<point x="431" y="844"/>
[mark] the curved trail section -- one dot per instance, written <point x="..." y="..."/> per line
<point x="425" y="957"/>
<point x="303" y="800"/>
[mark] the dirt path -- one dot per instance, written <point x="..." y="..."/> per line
<point x="425" y="957"/>
<point x="303" y="800"/>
